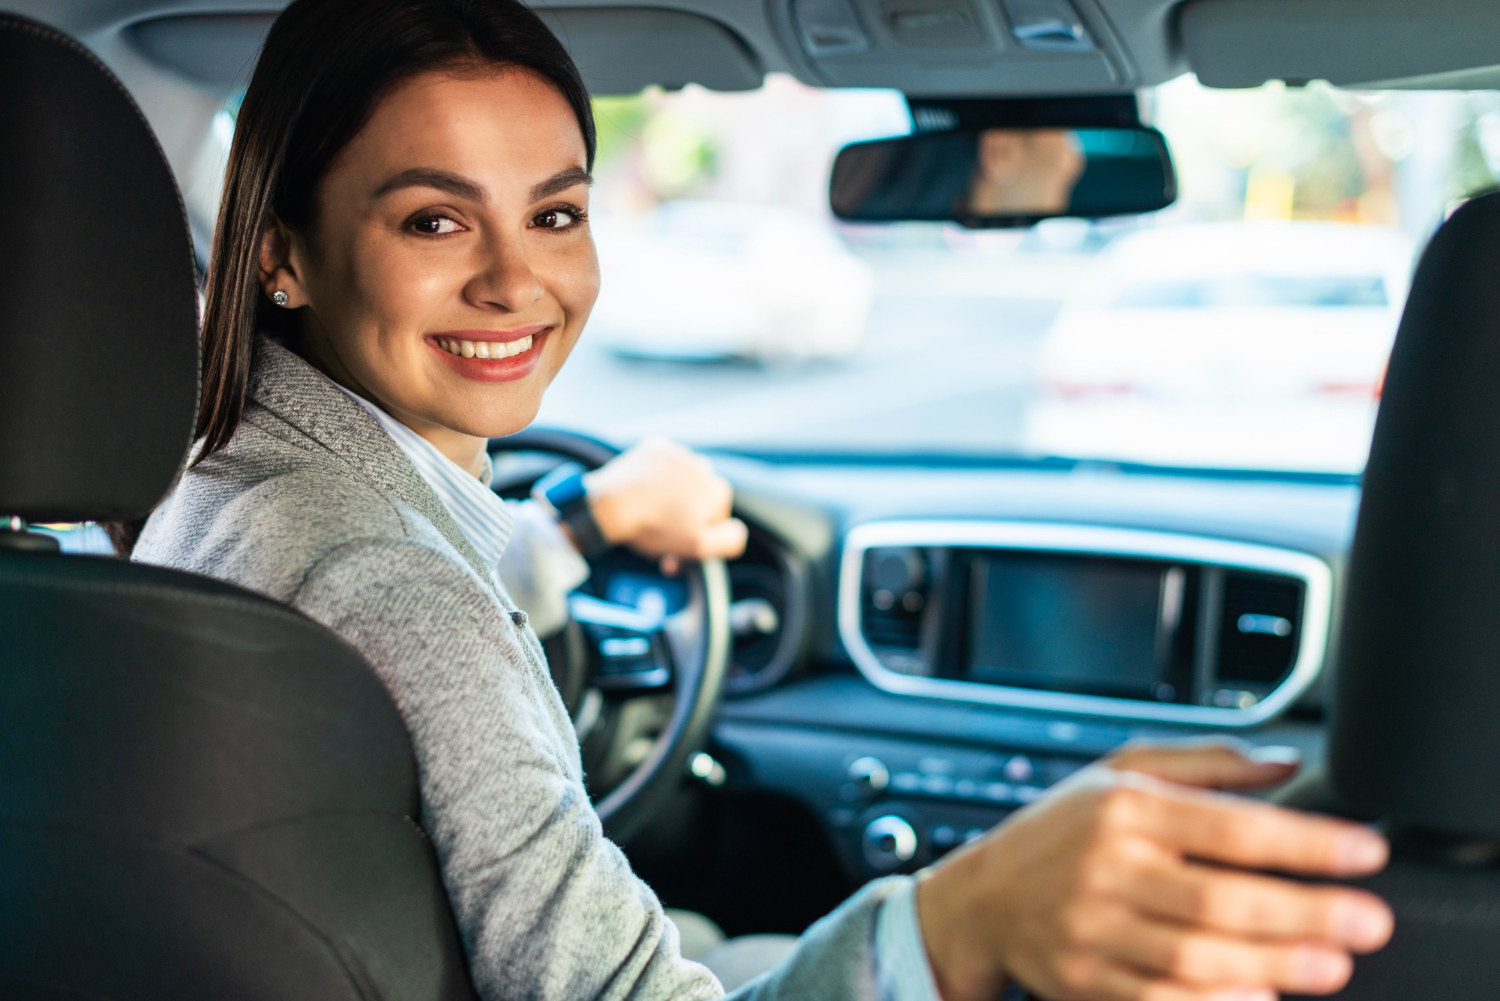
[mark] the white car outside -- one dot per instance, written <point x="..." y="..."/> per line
<point x="720" y="280"/>
<point x="1229" y="345"/>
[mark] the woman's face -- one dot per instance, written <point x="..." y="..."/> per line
<point x="450" y="269"/>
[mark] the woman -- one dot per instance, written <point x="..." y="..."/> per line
<point x="402" y="264"/>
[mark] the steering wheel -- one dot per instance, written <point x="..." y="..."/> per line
<point x="615" y="653"/>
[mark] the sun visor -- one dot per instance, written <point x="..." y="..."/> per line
<point x="618" y="50"/>
<point x="622" y="50"/>
<point x="1439" y="44"/>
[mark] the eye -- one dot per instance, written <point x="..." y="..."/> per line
<point x="435" y="225"/>
<point x="558" y="218"/>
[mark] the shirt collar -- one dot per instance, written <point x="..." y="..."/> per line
<point x="480" y="514"/>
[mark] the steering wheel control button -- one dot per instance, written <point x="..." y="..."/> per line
<point x="625" y="647"/>
<point x="869" y="775"/>
<point x="889" y="842"/>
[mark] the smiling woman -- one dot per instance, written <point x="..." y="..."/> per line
<point x="430" y="272"/>
<point x="403" y="263"/>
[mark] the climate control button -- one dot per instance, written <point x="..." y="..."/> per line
<point x="889" y="842"/>
<point x="869" y="775"/>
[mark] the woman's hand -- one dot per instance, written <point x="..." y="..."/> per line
<point x="1117" y="887"/>
<point x="666" y="502"/>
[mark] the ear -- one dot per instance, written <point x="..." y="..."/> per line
<point x="281" y="264"/>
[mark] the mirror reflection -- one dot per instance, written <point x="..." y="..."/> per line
<point x="1003" y="176"/>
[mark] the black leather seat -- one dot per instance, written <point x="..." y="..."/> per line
<point x="202" y="793"/>
<point x="1416" y="719"/>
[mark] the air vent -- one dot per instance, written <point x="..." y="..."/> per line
<point x="1260" y="628"/>
<point x="895" y="593"/>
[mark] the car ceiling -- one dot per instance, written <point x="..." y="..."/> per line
<point x="924" y="47"/>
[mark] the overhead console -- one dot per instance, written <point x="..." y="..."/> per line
<point x="1075" y="618"/>
<point x="956" y="47"/>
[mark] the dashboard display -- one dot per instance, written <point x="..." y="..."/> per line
<point x="1068" y="624"/>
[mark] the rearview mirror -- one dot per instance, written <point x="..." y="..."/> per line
<point x="1003" y="176"/>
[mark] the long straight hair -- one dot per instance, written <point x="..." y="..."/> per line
<point x="324" y="66"/>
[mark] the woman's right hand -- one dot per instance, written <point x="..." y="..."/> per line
<point x="1128" y="883"/>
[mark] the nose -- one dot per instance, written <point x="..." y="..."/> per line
<point x="505" y="279"/>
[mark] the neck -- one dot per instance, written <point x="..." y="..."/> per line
<point x="466" y="451"/>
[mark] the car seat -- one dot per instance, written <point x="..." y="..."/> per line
<point x="203" y="794"/>
<point x="1415" y="737"/>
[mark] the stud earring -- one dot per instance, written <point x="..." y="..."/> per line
<point x="280" y="298"/>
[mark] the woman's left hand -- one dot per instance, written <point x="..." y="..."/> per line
<point x="666" y="502"/>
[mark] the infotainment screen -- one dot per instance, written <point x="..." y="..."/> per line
<point x="1065" y="623"/>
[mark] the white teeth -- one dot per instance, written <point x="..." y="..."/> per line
<point x="485" y="349"/>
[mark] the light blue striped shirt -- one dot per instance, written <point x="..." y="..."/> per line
<point x="484" y="518"/>
<point x="901" y="968"/>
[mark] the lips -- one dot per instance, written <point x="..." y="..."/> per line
<point x="491" y="355"/>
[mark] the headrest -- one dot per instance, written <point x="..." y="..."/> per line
<point x="98" y="307"/>
<point x="1416" y="727"/>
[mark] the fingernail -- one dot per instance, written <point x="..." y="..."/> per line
<point x="1361" y="924"/>
<point x="1359" y="850"/>
<point x="1276" y="754"/>
<point x="1319" y="969"/>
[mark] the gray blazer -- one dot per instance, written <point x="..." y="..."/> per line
<point x="314" y="505"/>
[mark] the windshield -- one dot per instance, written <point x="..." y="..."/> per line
<point x="1246" y="327"/>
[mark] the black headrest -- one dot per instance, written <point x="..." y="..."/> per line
<point x="1416" y="730"/>
<point x="98" y="307"/>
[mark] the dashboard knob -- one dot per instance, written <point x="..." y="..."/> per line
<point x="869" y="775"/>
<point x="889" y="842"/>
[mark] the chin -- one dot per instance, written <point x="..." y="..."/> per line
<point x="488" y="420"/>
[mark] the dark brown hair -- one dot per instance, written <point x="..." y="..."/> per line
<point x="324" y="66"/>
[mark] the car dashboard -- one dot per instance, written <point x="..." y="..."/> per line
<point x="901" y="707"/>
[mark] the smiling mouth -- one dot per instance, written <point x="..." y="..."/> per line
<point x="461" y="348"/>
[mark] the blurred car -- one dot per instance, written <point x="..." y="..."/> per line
<point x="1225" y="344"/>
<point x="702" y="280"/>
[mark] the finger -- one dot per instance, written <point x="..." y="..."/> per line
<point x="725" y="539"/>
<point x="1257" y="906"/>
<point x="1247" y="833"/>
<point x="1206" y="959"/>
<point x="719" y="495"/>
<point x="1212" y="765"/>
<point x="1098" y="978"/>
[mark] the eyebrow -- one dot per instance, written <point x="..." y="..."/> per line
<point x="462" y="187"/>
<point x="428" y="177"/>
<point x="560" y="181"/>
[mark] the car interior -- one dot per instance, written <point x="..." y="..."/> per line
<point x="205" y="794"/>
